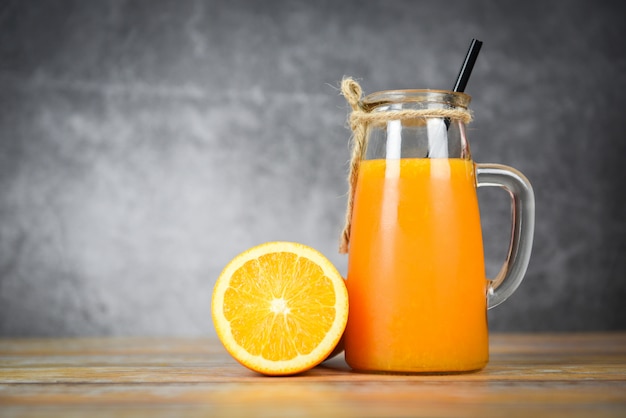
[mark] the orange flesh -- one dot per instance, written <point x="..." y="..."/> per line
<point x="272" y="315"/>
<point x="416" y="277"/>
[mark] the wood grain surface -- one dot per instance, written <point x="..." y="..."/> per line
<point x="533" y="375"/>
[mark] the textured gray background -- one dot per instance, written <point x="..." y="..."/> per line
<point x="143" y="144"/>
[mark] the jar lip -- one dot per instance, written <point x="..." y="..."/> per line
<point x="453" y="98"/>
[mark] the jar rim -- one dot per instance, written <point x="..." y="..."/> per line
<point x="452" y="98"/>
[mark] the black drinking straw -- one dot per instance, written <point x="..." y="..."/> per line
<point x="466" y="68"/>
<point x="468" y="65"/>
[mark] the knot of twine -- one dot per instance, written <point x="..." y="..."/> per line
<point x="360" y="118"/>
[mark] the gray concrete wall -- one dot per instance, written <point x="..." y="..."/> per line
<point x="143" y="144"/>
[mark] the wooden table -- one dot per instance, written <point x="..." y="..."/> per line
<point x="528" y="376"/>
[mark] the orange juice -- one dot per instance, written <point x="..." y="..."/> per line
<point x="416" y="277"/>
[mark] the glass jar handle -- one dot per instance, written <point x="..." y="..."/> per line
<point x="523" y="219"/>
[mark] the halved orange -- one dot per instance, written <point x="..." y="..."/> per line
<point x="280" y="308"/>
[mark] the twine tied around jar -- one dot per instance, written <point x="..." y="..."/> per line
<point x="359" y="120"/>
